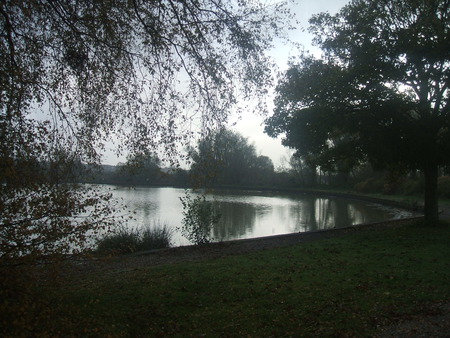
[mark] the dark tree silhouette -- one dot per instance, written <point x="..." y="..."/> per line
<point x="140" y="169"/>
<point x="226" y="158"/>
<point x="380" y="91"/>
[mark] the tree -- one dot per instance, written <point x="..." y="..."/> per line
<point x="304" y="172"/>
<point x="76" y="74"/>
<point x="226" y="158"/>
<point x="199" y="218"/>
<point x="380" y="91"/>
<point x="141" y="169"/>
<point x="262" y="171"/>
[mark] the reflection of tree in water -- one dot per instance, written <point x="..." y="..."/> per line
<point x="236" y="219"/>
<point x="324" y="214"/>
<point x="340" y="213"/>
<point x="361" y="213"/>
<point x="312" y="214"/>
<point x="303" y="215"/>
<point x="146" y="201"/>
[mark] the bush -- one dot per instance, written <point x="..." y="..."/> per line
<point x="370" y="185"/>
<point x="125" y="240"/>
<point x="155" y="238"/>
<point x="410" y="186"/>
<point x="444" y="186"/>
<point x="389" y="186"/>
<point x="121" y="241"/>
<point x="199" y="218"/>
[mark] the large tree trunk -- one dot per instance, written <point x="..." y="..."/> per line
<point x="431" y="209"/>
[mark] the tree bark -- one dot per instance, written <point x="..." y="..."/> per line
<point x="431" y="209"/>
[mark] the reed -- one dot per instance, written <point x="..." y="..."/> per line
<point x="127" y="240"/>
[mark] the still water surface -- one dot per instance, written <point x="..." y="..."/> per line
<point x="249" y="214"/>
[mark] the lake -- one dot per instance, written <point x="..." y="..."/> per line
<point x="250" y="214"/>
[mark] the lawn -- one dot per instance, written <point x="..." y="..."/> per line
<point x="344" y="287"/>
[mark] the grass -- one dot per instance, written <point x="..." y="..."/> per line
<point x="126" y="240"/>
<point x="346" y="286"/>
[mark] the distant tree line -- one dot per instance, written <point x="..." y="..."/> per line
<point x="139" y="170"/>
<point x="223" y="158"/>
<point x="361" y="179"/>
<point x="227" y="159"/>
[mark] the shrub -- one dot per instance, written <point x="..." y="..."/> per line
<point x="410" y="186"/>
<point x="444" y="186"/>
<point x="199" y="217"/>
<point x="125" y="240"/>
<point x="155" y="238"/>
<point x="370" y="185"/>
<point x="120" y="241"/>
<point x="389" y="186"/>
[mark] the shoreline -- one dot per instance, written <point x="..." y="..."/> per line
<point x="211" y="251"/>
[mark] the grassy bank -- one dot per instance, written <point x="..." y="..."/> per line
<point x="342" y="286"/>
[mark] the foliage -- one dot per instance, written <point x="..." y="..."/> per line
<point x="348" y="286"/>
<point x="125" y="240"/>
<point x="444" y="186"/>
<point x="120" y="241"/>
<point x="226" y="158"/>
<point x="399" y="182"/>
<point x="303" y="171"/>
<point x="199" y="216"/>
<point x="370" y="185"/>
<point x="139" y="169"/>
<point x="78" y="74"/>
<point x="59" y="219"/>
<point x="157" y="237"/>
<point x="411" y="186"/>
<point x="380" y="92"/>
<point x="99" y="68"/>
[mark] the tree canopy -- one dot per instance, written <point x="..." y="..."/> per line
<point x="227" y="158"/>
<point x="140" y="169"/>
<point x="76" y="74"/>
<point x="134" y="69"/>
<point x="380" y="92"/>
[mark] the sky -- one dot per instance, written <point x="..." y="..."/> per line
<point x="250" y="125"/>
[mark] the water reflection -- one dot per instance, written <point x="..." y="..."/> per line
<point x="251" y="214"/>
<point x="236" y="219"/>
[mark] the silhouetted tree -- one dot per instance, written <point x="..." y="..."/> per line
<point x="380" y="92"/>
<point x="141" y="169"/>
<point x="262" y="171"/>
<point x="226" y="158"/>
<point x="304" y="172"/>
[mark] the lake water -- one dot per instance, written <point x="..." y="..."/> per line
<point x="249" y="214"/>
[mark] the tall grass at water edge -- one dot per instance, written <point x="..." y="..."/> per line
<point x="126" y="240"/>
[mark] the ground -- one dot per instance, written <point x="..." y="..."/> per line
<point x="434" y="321"/>
<point x="214" y="250"/>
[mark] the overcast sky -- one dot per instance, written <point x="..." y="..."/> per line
<point x="251" y="126"/>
